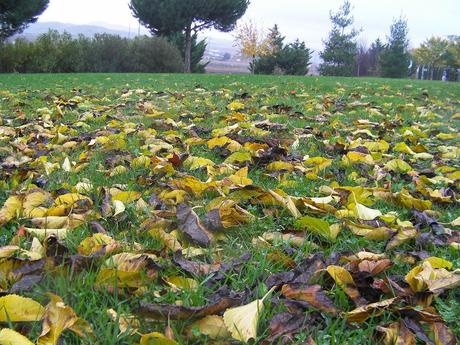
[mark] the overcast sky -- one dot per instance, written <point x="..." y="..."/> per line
<point x="304" y="19"/>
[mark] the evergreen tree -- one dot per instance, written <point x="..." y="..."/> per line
<point x="16" y="15"/>
<point x="275" y="39"/>
<point x="339" y="54"/>
<point x="166" y="17"/>
<point x="394" y="61"/>
<point x="375" y="53"/>
<point x="198" y="50"/>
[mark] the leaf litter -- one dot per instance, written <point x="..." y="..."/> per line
<point x="219" y="218"/>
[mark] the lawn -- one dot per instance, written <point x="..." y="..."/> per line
<point x="208" y="209"/>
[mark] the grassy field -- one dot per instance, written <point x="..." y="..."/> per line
<point x="153" y="194"/>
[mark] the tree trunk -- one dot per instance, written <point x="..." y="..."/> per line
<point x="188" y="50"/>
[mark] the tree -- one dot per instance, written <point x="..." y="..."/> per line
<point x="394" y="61"/>
<point x="275" y="40"/>
<point x="453" y="52"/>
<point x="16" y="15"/>
<point x="432" y="52"/>
<point x="166" y="17"/>
<point x="375" y="53"/>
<point x="291" y="59"/>
<point x="339" y="54"/>
<point x="198" y="50"/>
<point x="251" y="41"/>
<point x="276" y="57"/>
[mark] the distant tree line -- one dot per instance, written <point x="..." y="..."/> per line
<point x="54" y="52"/>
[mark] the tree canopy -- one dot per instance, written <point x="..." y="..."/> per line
<point x="16" y="15"/>
<point x="395" y="58"/>
<point x="166" y="17"/>
<point x="339" y="54"/>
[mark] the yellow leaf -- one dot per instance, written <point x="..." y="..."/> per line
<point x="402" y="147"/>
<point x="398" y="166"/>
<point x="126" y="197"/>
<point x="286" y="202"/>
<point x="280" y="165"/>
<point x="11" y="209"/>
<point x="234" y="106"/>
<point x="119" y="207"/>
<point x="32" y="204"/>
<point x="238" y="158"/>
<point x="212" y="325"/>
<point x="156" y="338"/>
<point x="182" y="283"/>
<point x="366" y="213"/>
<point x="242" y="321"/>
<point x="319" y="227"/>
<point x="59" y="317"/>
<point x="11" y="337"/>
<point x="94" y="243"/>
<point x="195" y="163"/>
<point x="455" y="222"/>
<point x="70" y="199"/>
<point x="41" y="234"/>
<point x="18" y="309"/>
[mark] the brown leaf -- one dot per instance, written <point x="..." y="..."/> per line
<point x="190" y="225"/>
<point x="175" y="312"/>
<point x="443" y="335"/>
<point x="313" y="294"/>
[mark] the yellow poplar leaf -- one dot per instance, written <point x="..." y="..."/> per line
<point x="341" y="276"/>
<point x="439" y="262"/>
<point x="58" y="222"/>
<point x="423" y="156"/>
<point x="32" y="204"/>
<point x="371" y="233"/>
<point x="59" y="317"/>
<point x="126" y="197"/>
<point x="242" y="321"/>
<point x="212" y="325"/>
<point x="402" y="147"/>
<point x="182" y="283"/>
<point x="286" y="202"/>
<point x="119" y="207"/>
<point x="319" y="227"/>
<point x="70" y="199"/>
<point x="455" y="222"/>
<point x="398" y="166"/>
<point x="234" y="106"/>
<point x="11" y="337"/>
<point x="18" y="309"/>
<point x="195" y="163"/>
<point x="41" y="234"/>
<point x="156" y="338"/>
<point x="358" y="157"/>
<point x="366" y="213"/>
<point x="67" y="166"/>
<point x="280" y="165"/>
<point x="239" y="157"/>
<point x="94" y="243"/>
<point x="11" y="208"/>
<point x="141" y="162"/>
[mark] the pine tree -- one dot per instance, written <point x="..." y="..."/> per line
<point x="394" y="61"/>
<point x="275" y="40"/>
<point x="16" y="15"/>
<point x="167" y="17"/>
<point x="339" y="54"/>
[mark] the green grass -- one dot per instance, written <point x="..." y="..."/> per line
<point x="203" y="99"/>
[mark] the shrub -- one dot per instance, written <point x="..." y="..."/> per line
<point x="61" y="53"/>
<point x="292" y="59"/>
